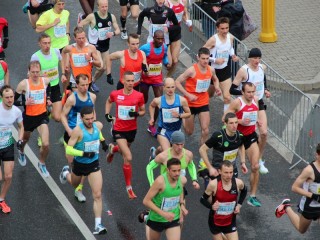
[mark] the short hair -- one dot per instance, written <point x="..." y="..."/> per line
<point x="226" y="163"/>
<point x="57" y="1"/>
<point x="250" y="84"/>
<point x="173" y="161"/>
<point x="5" y="88"/>
<point x="81" y="75"/>
<point x="204" y="51"/>
<point x="42" y="36"/>
<point x="34" y="63"/>
<point x="229" y="115"/>
<point x="78" y="30"/>
<point x="133" y="35"/>
<point x="158" y="32"/>
<point x="86" y="110"/>
<point x="127" y="73"/>
<point x="222" y="20"/>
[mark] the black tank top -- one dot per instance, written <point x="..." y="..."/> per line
<point x="103" y="45"/>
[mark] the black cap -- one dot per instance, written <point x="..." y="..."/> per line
<point x="255" y="52"/>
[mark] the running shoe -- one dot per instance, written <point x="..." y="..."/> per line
<point x="43" y="170"/>
<point x="110" y="153"/>
<point x="4" y="207"/>
<point x="94" y="87"/>
<point x="253" y="201"/>
<point x="152" y="130"/>
<point x="63" y="174"/>
<point x="143" y="215"/>
<point x="100" y="229"/>
<point x="80" y="17"/>
<point x="25" y="7"/>
<point x="39" y="142"/>
<point x="152" y="153"/>
<point x="201" y="165"/>
<point x="124" y="34"/>
<point x="281" y="209"/>
<point x="22" y="158"/>
<point x="262" y="169"/>
<point x="79" y="196"/>
<point x="131" y="194"/>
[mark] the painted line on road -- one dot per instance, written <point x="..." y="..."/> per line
<point x="57" y="192"/>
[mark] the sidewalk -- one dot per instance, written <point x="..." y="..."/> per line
<point x="295" y="55"/>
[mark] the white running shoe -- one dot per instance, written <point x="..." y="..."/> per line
<point x="22" y="158"/>
<point x="262" y="169"/>
<point x="124" y="34"/>
<point x="100" y="229"/>
<point x="63" y="175"/>
<point x="43" y="170"/>
<point x="79" y="196"/>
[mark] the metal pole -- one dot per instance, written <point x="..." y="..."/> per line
<point x="268" y="33"/>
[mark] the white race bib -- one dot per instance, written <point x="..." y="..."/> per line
<point x="183" y="172"/>
<point x="137" y="76"/>
<point x="259" y="89"/>
<point x="314" y="188"/>
<point x="92" y="146"/>
<point x="103" y="33"/>
<point x="5" y="136"/>
<point x="179" y="16"/>
<point x="202" y="85"/>
<point x="51" y="74"/>
<point x="79" y="59"/>
<point x="155" y="69"/>
<point x="230" y="155"/>
<point x="167" y="115"/>
<point x="253" y="116"/>
<point x="79" y="120"/>
<point x="60" y="31"/>
<point x="226" y="208"/>
<point x="37" y="96"/>
<point x="1" y="83"/>
<point x="169" y="204"/>
<point x="123" y="112"/>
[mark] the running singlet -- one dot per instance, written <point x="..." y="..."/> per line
<point x="3" y="24"/>
<point x="227" y="203"/>
<point x="78" y="61"/>
<point x="221" y="50"/>
<point x="165" y="120"/>
<point x="168" y="200"/>
<point x="178" y="10"/>
<point x="124" y="104"/>
<point x="3" y="72"/>
<point x="198" y="86"/>
<point x="248" y="111"/>
<point x="183" y="161"/>
<point x="90" y="143"/>
<point x="39" y="96"/>
<point x="8" y="118"/>
<point x="257" y="78"/>
<point x="74" y="118"/>
<point x="132" y="65"/>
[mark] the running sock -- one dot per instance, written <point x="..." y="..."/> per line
<point x="97" y="221"/>
<point x="79" y="188"/>
<point x="1" y="199"/>
<point x="115" y="149"/>
<point x="225" y="107"/>
<point x="252" y="195"/>
<point x="123" y="22"/>
<point x="127" y="172"/>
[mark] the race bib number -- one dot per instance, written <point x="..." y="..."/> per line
<point x="202" y="85"/>
<point x="137" y="76"/>
<point x="60" y="31"/>
<point x="1" y="83"/>
<point x="79" y="60"/>
<point x="253" y="116"/>
<point x="223" y="54"/>
<point x="123" y="112"/>
<point x="226" y="208"/>
<point x="37" y="96"/>
<point x="155" y="69"/>
<point x="169" y="204"/>
<point x="5" y="136"/>
<point x="259" y="89"/>
<point x="92" y="146"/>
<point x="230" y="155"/>
<point x="79" y="120"/>
<point x="179" y="16"/>
<point x="167" y="115"/>
<point x="156" y="27"/>
<point x="51" y="74"/>
<point x="314" y="188"/>
<point x="103" y="33"/>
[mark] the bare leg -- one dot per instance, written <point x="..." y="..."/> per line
<point x="299" y="222"/>
<point x="253" y="156"/>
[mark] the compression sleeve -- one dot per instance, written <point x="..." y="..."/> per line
<point x="234" y="91"/>
<point x="141" y="18"/>
<point x="192" y="171"/>
<point x="265" y="82"/>
<point x="204" y="201"/>
<point x="73" y="152"/>
<point x="101" y="138"/>
<point x="16" y="101"/>
<point x="243" y="194"/>
<point x="149" y="169"/>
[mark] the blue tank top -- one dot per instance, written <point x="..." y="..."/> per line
<point x="166" y="120"/>
<point x="90" y="143"/>
<point x="74" y="115"/>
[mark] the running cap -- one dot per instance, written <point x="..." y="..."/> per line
<point x="178" y="137"/>
<point x="255" y="52"/>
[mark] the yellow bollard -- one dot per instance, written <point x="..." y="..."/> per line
<point x="268" y="33"/>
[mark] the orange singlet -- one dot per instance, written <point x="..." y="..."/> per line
<point x="198" y="86"/>
<point x="39" y="95"/>
<point x="133" y="65"/>
<point x="78" y="62"/>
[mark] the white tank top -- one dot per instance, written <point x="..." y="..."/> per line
<point x="257" y="78"/>
<point x="221" y="50"/>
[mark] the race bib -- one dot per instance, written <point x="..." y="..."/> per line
<point x="79" y="60"/>
<point x="103" y="33"/>
<point x="155" y="69"/>
<point x="202" y="85"/>
<point x="92" y="146"/>
<point x="123" y="112"/>
<point x="167" y="115"/>
<point x="1" y="83"/>
<point x="5" y="136"/>
<point x="226" y="208"/>
<point x="259" y="89"/>
<point x="51" y="74"/>
<point x="253" y="116"/>
<point x="230" y="155"/>
<point x="79" y="120"/>
<point x="60" y="31"/>
<point x="223" y="54"/>
<point x="169" y="204"/>
<point x="183" y="172"/>
<point x="156" y="27"/>
<point x="37" y="96"/>
<point x="137" y="76"/>
<point x="314" y="188"/>
<point x="179" y="16"/>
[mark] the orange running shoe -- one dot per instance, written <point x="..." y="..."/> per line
<point x="5" y="208"/>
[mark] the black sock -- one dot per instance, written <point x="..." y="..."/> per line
<point x="123" y="22"/>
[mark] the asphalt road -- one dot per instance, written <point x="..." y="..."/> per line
<point x="45" y="209"/>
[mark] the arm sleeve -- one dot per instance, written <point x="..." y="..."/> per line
<point x="149" y="169"/>
<point x="73" y="152"/>
<point x="141" y="18"/>
<point x="204" y="201"/>
<point x="243" y="195"/>
<point x="265" y="82"/>
<point x="234" y="91"/>
<point x="192" y="171"/>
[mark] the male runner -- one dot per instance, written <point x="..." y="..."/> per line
<point x="254" y="72"/>
<point x="131" y="59"/>
<point x="129" y="106"/>
<point x="307" y="184"/>
<point x="221" y="197"/>
<point x="84" y="146"/>
<point x="35" y="90"/>
<point x="9" y="114"/>
<point x="4" y="36"/>
<point x="134" y="9"/>
<point x="103" y="27"/>
<point x="166" y="203"/>
<point x="198" y="79"/>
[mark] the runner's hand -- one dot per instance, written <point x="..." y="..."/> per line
<point x="169" y="216"/>
<point x="88" y="154"/>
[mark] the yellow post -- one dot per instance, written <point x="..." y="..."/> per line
<point x="268" y="33"/>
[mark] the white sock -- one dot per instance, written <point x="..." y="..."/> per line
<point x="225" y="107"/>
<point x="97" y="221"/>
<point x="1" y="199"/>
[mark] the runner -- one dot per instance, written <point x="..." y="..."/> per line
<point x="84" y="146"/>
<point x="125" y="5"/>
<point x="129" y="106"/>
<point x="99" y="34"/>
<point x="87" y="7"/>
<point x="9" y="114"/>
<point x="4" y="37"/>
<point x="226" y="144"/>
<point x="70" y="118"/>
<point x="254" y="72"/>
<point x="35" y="90"/>
<point x="4" y="74"/>
<point x="198" y="78"/>
<point x="172" y="108"/>
<point x="225" y="205"/>
<point x="50" y="59"/>
<point x="131" y="59"/>
<point x="35" y="8"/>
<point x="166" y="203"/>
<point x="156" y="53"/>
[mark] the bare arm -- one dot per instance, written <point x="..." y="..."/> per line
<point x="186" y="110"/>
<point x="182" y="78"/>
<point x="303" y="177"/>
<point x="90" y="19"/>
<point x="155" y="103"/>
<point x="115" y="25"/>
<point x="20" y="130"/>
<point x="113" y="56"/>
<point x="211" y="43"/>
<point x="95" y="59"/>
<point x="42" y="28"/>
<point x="65" y="111"/>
